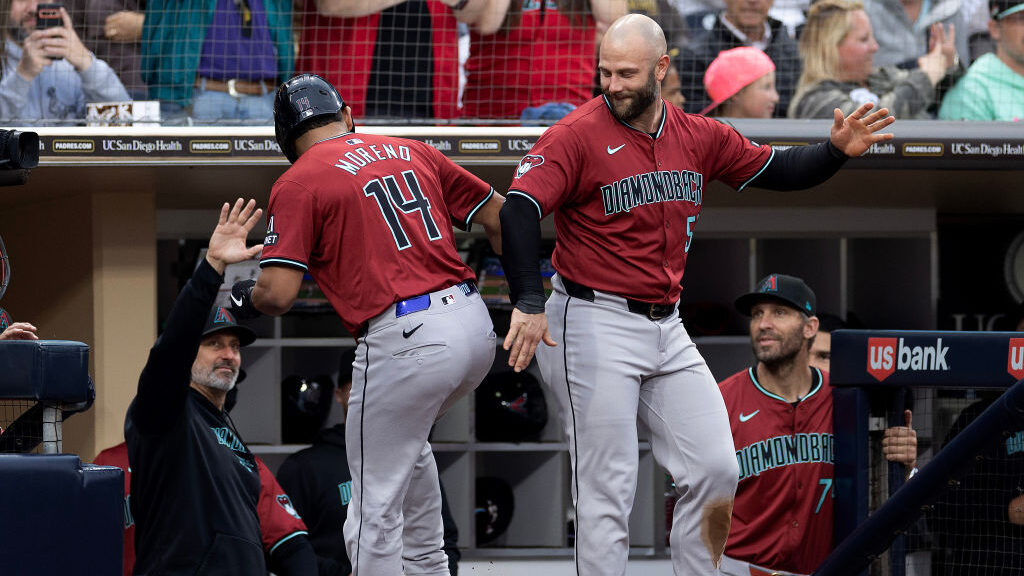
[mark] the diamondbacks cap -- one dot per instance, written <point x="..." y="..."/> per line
<point x="733" y="70"/>
<point x="1000" y="9"/>
<point x="221" y="319"/>
<point x="789" y="290"/>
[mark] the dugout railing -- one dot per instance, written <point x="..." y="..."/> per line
<point x="876" y="375"/>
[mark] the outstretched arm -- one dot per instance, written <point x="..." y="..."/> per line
<point x="802" y="167"/>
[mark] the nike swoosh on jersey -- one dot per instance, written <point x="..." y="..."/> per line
<point x="236" y="301"/>
<point x="614" y="150"/>
<point x="406" y="334"/>
<point x="745" y="417"/>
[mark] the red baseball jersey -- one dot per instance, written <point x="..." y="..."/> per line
<point x="278" y="519"/>
<point x="782" y="518"/>
<point x="626" y="203"/>
<point x="370" y="217"/>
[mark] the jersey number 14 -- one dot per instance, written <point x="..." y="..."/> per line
<point x="388" y="195"/>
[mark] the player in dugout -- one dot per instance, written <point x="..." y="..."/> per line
<point x="195" y="485"/>
<point x="780" y="412"/>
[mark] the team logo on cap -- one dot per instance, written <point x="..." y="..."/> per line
<point x="223" y="317"/>
<point x="1015" y="358"/>
<point x="528" y="162"/>
<point x="5" y="320"/>
<point x="770" y="284"/>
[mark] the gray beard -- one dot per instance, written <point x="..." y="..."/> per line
<point x="211" y="380"/>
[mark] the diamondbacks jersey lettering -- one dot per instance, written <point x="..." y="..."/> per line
<point x="364" y="214"/>
<point x="626" y="204"/>
<point x="782" y="516"/>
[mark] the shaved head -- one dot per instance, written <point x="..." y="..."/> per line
<point x="632" y="64"/>
<point x="636" y="33"/>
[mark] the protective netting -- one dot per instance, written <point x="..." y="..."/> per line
<point x="976" y="525"/>
<point x="499" y="61"/>
<point x="21" y="425"/>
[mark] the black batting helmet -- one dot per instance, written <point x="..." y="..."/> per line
<point x="299" y="100"/>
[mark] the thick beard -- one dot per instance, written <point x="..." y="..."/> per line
<point x="642" y="99"/>
<point x="210" y="379"/>
<point x="790" y="347"/>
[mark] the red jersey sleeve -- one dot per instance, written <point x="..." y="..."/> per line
<point x="278" y="519"/>
<point x="292" y="227"/>
<point x="550" y="172"/>
<point x="463" y="192"/>
<point x="732" y="158"/>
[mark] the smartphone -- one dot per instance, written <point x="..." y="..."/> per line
<point x="48" y="16"/>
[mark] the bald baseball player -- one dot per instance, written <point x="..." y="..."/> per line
<point x="780" y="413"/>
<point x="624" y="176"/>
<point x="370" y="217"/>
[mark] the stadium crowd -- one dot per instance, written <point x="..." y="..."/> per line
<point x="499" y="61"/>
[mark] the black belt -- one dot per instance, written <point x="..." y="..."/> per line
<point x="645" y="309"/>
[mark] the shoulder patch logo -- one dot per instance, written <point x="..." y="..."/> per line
<point x="528" y="162"/>
<point x="271" y="238"/>
<point x="284" y="502"/>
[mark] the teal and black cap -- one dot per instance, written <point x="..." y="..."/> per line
<point x="789" y="290"/>
<point x="221" y="319"/>
<point x="1000" y="9"/>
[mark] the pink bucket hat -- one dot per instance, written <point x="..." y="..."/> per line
<point x="732" y="71"/>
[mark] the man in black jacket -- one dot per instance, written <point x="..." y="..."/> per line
<point x="195" y="484"/>
<point x="743" y="23"/>
<point x="319" y="483"/>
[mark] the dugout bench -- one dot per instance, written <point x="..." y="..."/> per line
<point x="58" y="516"/>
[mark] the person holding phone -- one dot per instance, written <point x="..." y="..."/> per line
<point x="47" y="73"/>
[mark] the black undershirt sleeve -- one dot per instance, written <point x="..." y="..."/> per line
<point x="520" y="246"/>
<point x="801" y="167"/>
<point x="294" y="557"/>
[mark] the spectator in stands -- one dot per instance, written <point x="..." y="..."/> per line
<point x="195" y="484"/>
<point x="838" y="49"/>
<point x="907" y="29"/>
<point x="993" y="88"/>
<point x="217" y="60"/>
<point x="112" y="29"/>
<point x="49" y="74"/>
<point x="700" y="14"/>
<point x="665" y="14"/>
<point x="393" y="58"/>
<point x="743" y="23"/>
<point x="320" y="485"/>
<point x="671" y="87"/>
<point x="534" y="59"/>
<point x="278" y="519"/>
<point x="783" y="402"/>
<point x="741" y="84"/>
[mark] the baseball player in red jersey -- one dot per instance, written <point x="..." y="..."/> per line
<point x="780" y="412"/>
<point x="625" y="176"/>
<point x="278" y="519"/>
<point x="370" y="217"/>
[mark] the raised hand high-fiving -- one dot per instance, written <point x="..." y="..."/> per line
<point x="227" y="243"/>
